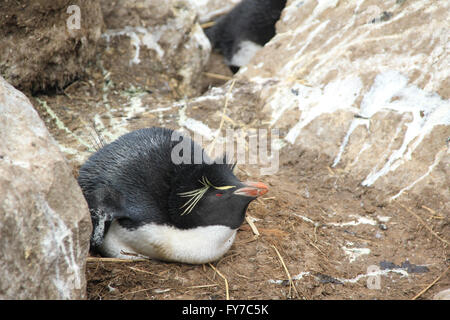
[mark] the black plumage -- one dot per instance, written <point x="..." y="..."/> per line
<point x="133" y="180"/>
<point x="249" y="20"/>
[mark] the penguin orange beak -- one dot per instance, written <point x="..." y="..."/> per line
<point x="252" y="189"/>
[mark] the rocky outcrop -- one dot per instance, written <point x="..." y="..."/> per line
<point x="47" y="44"/>
<point x="44" y="220"/>
<point x="366" y="85"/>
<point x="156" y="46"/>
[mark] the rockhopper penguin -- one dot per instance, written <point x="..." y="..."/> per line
<point x="244" y="30"/>
<point x="141" y="202"/>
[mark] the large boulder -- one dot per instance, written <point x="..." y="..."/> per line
<point x="364" y="83"/>
<point x="47" y="43"/>
<point x="44" y="220"/>
<point x="154" y="45"/>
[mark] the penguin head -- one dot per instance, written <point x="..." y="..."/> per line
<point x="210" y="194"/>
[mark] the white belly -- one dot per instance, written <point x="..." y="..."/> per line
<point x="197" y="245"/>
<point x="247" y="49"/>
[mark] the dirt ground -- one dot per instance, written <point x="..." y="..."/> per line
<point x="318" y="227"/>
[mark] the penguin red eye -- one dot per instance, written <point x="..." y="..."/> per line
<point x="218" y="194"/>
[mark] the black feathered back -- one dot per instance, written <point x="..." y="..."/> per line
<point x="252" y="20"/>
<point x="134" y="180"/>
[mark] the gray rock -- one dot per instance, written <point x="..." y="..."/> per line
<point x="44" y="220"/>
<point x="373" y="97"/>
<point x="442" y="295"/>
<point x="157" y="45"/>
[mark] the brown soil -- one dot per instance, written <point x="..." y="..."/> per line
<point x="37" y="51"/>
<point x="304" y="188"/>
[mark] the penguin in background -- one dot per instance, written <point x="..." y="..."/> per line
<point x="244" y="30"/>
<point x="142" y="203"/>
